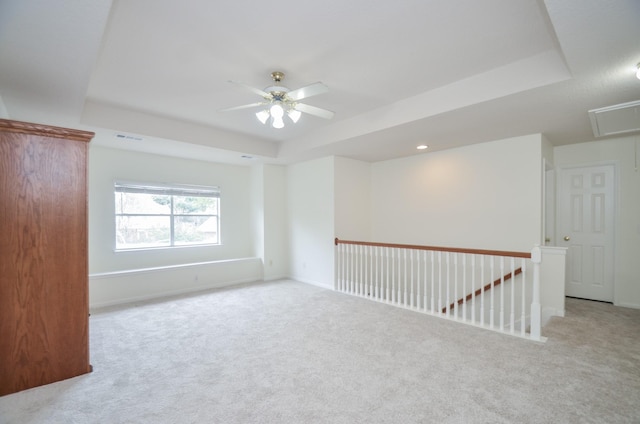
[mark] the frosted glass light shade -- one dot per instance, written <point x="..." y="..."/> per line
<point x="294" y="115"/>
<point x="262" y="116"/>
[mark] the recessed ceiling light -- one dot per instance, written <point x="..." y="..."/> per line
<point x="638" y="70"/>
<point x="422" y="147"/>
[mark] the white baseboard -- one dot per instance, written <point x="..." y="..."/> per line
<point x="312" y="282"/>
<point x="276" y="277"/>
<point x="547" y="313"/>
<point x="627" y="305"/>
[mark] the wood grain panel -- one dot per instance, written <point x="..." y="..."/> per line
<point x="43" y="260"/>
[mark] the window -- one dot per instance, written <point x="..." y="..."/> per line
<point x="149" y="216"/>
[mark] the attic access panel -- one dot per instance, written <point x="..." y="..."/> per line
<point x="616" y="119"/>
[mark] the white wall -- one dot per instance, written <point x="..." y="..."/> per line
<point x="4" y="114"/>
<point x="257" y="210"/>
<point x="623" y="152"/>
<point x="352" y="188"/>
<point x="118" y="287"/>
<point x="485" y="196"/>
<point x="310" y="212"/>
<point x="275" y="234"/>
<point x="108" y="165"/>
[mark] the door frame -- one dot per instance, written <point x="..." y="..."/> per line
<point x="615" y="164"/>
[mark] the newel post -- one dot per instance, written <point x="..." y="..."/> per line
<point x="536" y="259"/>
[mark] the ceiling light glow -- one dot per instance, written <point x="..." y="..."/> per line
<point x="277" y="111"/>
<point x="422" y="147"/>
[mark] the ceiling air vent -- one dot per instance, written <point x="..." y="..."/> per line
<point x="617" y="119"/>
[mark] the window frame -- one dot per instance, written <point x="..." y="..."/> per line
<point x="172" y="190"/>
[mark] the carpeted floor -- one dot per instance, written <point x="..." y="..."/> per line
<point x="286" y="352"/>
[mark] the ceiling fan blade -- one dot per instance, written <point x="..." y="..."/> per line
<point x="315" y="111"/>
<point x="308" y="91"/>
<point x="259" y="92"/>
<point x="244" y="106"/>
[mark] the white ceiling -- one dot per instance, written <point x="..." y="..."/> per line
<point x="442" y="72"/>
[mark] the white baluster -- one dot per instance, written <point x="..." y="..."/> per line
<point x="433" y="280"/>
<point x="512" y="318"/>
<point x="473" y="289"/>
<point x="447" y="305"/>
<point x="363" y="280"/>
<point x="367" y="271"/>
<point x="418" y="269"/>
<point x="491" y="292"/>
<point x="341" y="248"/>
<point x="365" y="277"/>
<point x="380" y="273"/>
<point x="384" y="273"/>
<point x="387" y="274"/>
<point x="464" y="287"/>
<point x="347" y="266"/>
<point x="354" y="260"/>
<point x="501" y="293"/>
<point x="424" y="303"/>
<point x="359" y="271"/>
<point x="523" y="264"/>
<point x="536" y="259"/>
<point x="362" y="286"/>
<point x="393" y="276"/>
<point x="405" y="279"/>
<point x="337" y="268"/>
<point x="401" y="276"/>
<point x="439" y="282"/>
<point x="375" y="266"/>
<point x="372" y="281"/>
<point x="356" y="269"/>
<point x="411" y="282"/>
<point x="455" y="286"/>
<point x="371" y="271"/>
<point x="482" y="276"/>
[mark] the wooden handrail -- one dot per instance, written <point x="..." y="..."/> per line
<point x="496" y="283"/>
<point x="438" y="248"/>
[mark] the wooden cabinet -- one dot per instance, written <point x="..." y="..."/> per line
<point x="44" y="310"/>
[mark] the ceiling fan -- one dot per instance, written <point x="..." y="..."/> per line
<point x="278" y="100"/>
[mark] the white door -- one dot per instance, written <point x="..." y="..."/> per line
<point x="585" y="227"/>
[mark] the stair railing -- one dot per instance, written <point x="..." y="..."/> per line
<point x="446" y="282"/>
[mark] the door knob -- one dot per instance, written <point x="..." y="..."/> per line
<point x="567" y="238"/>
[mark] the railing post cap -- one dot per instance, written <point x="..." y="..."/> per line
<point x="536" y="254"/>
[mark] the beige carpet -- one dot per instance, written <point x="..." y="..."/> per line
<point x="287" y="352"/>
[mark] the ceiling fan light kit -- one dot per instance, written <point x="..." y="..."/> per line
<point x="279" y="100"/>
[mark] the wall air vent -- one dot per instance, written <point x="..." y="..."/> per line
<point x="129" y="137"/>
<point x="618" y="119"/>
